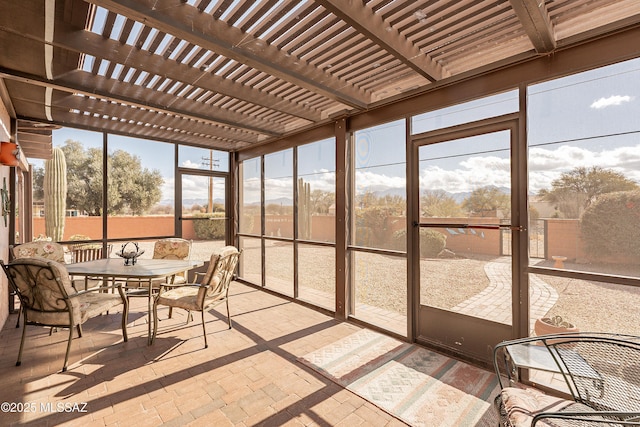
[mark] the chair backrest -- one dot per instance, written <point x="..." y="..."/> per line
<point x="49" y="250"/>
<point x="603" y="370"/>
<point x="220" y="272"/>
<point x="172" y="248"/>
<point x="43" y="287"/>
<point x="88" y="253"/>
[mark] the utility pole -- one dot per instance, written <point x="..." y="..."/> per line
<point x="211" y="162"/>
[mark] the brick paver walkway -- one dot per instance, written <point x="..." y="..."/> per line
<point x="494" y="302"/>
<point x="249" y="375"/>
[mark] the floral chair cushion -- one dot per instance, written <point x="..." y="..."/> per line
<point x="50" y="250"/>
<point x="46" y="301"/>
<point x="522" y="404"/>
<point x="172" y="249"/>
<point x="197" y="296"/>
<point x="185" y="297"/>
<point x="214" y="268"/>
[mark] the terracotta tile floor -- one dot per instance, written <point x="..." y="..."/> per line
<point x="248" y="376"/>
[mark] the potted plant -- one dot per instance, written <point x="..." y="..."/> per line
<point x="553" y="325"/>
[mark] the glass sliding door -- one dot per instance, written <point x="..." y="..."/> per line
<point x="464" y="235"/>
<point x="204" y="213"/>
<point x="250" y="220"/>
<point x="278" y="222"/>
<point x="377" y="250"/>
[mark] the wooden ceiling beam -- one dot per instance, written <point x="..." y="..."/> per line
<point x="34" y="138"/>
<point x="374" y="28"/>
<point x="535" y="20"/>
<point x="130" y="56"/>
<point x="97" y="124"/>
<point x="113" y="90"/>
<point x="116" y="112"/>
<point x="95" y="106"/>
<point x="186" y="22"/>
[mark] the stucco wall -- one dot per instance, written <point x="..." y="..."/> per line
<point x="4" y="229"/>
<point x="119" y="227"/>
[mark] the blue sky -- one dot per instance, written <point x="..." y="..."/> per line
<point x="155" y="155"/>
<point x="589" y="119"/>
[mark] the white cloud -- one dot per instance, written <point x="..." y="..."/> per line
<point x="191" y="165"/>
<point x="611" y="101"/>
<point x="545" y="165"/>
<point x="468" y="175"/>
<point x="371" y="181"/>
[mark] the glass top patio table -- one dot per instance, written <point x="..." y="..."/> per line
<point x="144" y="269"/>
<point x="532" y="356"/>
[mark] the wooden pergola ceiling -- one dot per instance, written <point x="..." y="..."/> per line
<point x="229" y="74"/>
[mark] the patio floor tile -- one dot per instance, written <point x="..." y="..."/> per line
<point x="248" y="376"/>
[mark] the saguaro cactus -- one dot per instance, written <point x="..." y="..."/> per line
<point x="304" y="209"/>
<point x="55" y="194"/>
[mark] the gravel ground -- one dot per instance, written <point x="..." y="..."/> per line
<point x="596" y="306"/>
<point x="381" y="282"/>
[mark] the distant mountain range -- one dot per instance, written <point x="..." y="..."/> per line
<point x="458" y="197"/>
<point x="191" y="202"/>
<point x="285" y="201"/>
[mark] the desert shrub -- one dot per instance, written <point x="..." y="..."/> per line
<point x="400" y="240"/>
<point x="431" y="242"/>
<point x="373" y="227"/>
<point x="209" y="230"/>
<point x="246" y="223"/>
<point x="83" y="245"/>
<point x="365" y="237"/>
<point x="609" y="226"/>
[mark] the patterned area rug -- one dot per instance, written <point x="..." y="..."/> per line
<point x="416" y="385"/>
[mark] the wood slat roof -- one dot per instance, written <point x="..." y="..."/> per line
<point x="229" y="74"/>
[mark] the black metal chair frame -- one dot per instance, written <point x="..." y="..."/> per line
<point x="35" y="270"/>
<point x="597" y="369"/>
<point x="223" y="269"/>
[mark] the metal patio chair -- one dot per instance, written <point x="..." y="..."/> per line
<point x="41" y="248"/>
<point x="169" y="248"/>
<point x="47" y="298"/>
<point x="601" y="372"/>
<point x="209" y="292"/>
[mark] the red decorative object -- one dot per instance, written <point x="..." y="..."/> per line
<point x="9" y="153"/>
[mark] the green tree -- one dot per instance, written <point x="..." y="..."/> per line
<point x="393" y="204"/>
<point x="84" y="177"/>
<point x="438" y="203"/>
<point x="131" y="188"/>
<point x="38" y="185"/>
<point x="321" y="201"/>
<point x="577" y="189"/>
<point x="609" y="226"/>
<point x="485" y="201"/>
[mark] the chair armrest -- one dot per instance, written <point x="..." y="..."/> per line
<point x="166" y="286"/>
<point x="597" y="418"/>
<point x="96" y="289"/>
<point x="117" y="286"/>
